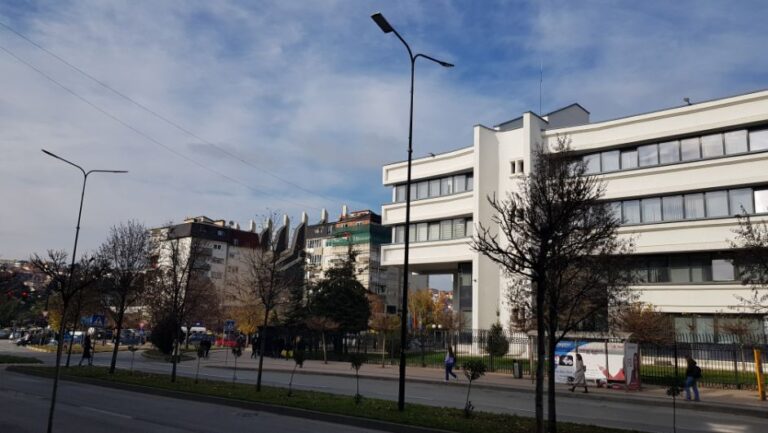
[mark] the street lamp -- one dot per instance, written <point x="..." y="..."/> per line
<point x="384" y="25"/>
<point x="71" y="271"/>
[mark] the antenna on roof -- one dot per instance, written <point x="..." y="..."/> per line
<point x="687" y="100"/>
<point x="541" y="81"/>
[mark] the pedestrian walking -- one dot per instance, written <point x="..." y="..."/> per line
<point x="692" y="376"/>
<point x="254" y="346"/>
<point x="206" y="345"/>
<point x="450" y="361"/>
<point x="579" y="374"/>
<point x="87" y="350"/>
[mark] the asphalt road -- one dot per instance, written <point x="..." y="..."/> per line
<point x="587" y="411"/>
<point x="86" y="408"/>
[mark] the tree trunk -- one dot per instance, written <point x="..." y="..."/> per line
<point x="72" y="342"/>
<point x="59" y="348"/>
<point x="174" y="357"/>
<point x="119" y="324"/>
<point x="383" y="348"/>
<point x="263" y="348"/>
<point x="540" y="357"/>
<point x="551" y="403"/>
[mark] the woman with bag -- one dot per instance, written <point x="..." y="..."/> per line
<point x="579" y="376"/>
<point x="450" y="361"/>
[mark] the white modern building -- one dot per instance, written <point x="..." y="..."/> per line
<point x="677" y="175"/>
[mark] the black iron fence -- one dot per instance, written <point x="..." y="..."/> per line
<point x="726" y="361"/>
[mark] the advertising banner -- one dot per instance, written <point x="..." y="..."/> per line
<point x="604" y="361"/>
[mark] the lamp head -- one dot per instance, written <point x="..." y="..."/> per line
<point x="382" y="22"/>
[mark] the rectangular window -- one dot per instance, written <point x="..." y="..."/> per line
<point x="735" y="141"/>
<point x="761" y="200"/>
<point x="740" y="201"/>
<point x="651" y="210"/>
<point x="717" y="203"/>
<point x="459" y="183"/>
<point x="669" y="152"/>
<point x="628" y="159"/>
<point x="423" y="190"/>
<point x="446" y="229"/>
<point x="694" y="206"/>
<point x="712" y="146"/>
<point x="434" y="231"/>
<point x="591" y="163"/>
<point x="434" y="187"/>
<point x="412" y="233"/>
<point x="459" y="228"/>
<point x="722" y="270"/>
<point x="758" y="140"/>
<point x="446" y="186"/>
<point x="512" y="167"/>
<point x="678" y="269"/>
<point x="400" y="193"/>
<point x="700" y="269"/>
<point x="610" y="160"/>
<point x="615" y="209"/>
<point x="658" y="271"/>
<point x="399" y="234"/>
<point x="690" y="149"/>
<point x="421" y="232"/>
<point x="414" y="191"/>
<point x="648" y="155"/>
<point x="470" y="182"/>
<point x="672" y="207"/>
<point x="470" y="230"/>
<point x="631" y="211"/>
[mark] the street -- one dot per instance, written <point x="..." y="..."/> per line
<point x="98" y="409"/>
<point x="588" y="411"/>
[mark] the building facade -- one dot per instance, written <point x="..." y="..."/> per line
<point x="328" y="243"/>
<point x="676" y="176"/>
<point x="226" y="248"/>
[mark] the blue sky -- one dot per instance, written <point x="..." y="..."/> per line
<point x="312" y="92"/>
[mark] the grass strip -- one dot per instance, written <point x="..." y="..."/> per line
<point x="11" y="359"/>
<point x="416" y="415"/>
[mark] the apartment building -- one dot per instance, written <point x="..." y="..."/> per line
<point x="328" y="243"/>
<point x="226" y="248"/>
<point x="676" y="176"/>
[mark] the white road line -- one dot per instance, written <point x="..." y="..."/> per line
<point x="106" y="412"/>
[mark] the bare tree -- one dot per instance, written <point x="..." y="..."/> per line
<point x="751" y="258"/>
<point x="178" y="286"/>
<point x="267" y="281"/>
<point x="559" y="245"/>
<point x="66" y="284"/>
<point x="323" y="325"/>
<point x="126" y="252"/>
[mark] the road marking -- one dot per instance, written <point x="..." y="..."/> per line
<point x="106" y="412"/>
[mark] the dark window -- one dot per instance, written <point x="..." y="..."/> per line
<point x="678" y="269"/>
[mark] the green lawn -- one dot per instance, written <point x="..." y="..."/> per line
<point x="160" y="356"/>
<point x="10" y="359"/>
<point x="416" y="415"/>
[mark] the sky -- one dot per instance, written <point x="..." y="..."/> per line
<point x="242" y="109"/>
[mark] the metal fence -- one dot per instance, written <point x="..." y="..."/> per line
<point x="726" y="362"/>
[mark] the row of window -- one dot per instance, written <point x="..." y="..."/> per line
<point x="671" y="152"/>
<point x="435" y="187"/>
<point x="685" y="268"/>
<point x="712" y="204"/>
<point x="456" y="228"/>
<point x="314" y="243"/>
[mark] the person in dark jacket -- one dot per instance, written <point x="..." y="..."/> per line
<point x="87" y="350"/>
<point x="692" y="376"/>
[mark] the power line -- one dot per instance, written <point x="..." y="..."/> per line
<point x="155" y="113"/>
<point x="145" y="135"/>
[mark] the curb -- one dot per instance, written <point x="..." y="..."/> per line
<point x="642" y="400"/>
<point x="366" y="423"/>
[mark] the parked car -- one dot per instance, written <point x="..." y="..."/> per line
<point x="78" y="337"/>
<point x="5" y="334"/>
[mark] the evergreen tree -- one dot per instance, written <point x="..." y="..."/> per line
<point x="340" y="297"/>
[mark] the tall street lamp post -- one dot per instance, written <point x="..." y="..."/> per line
<point x="69" y="279"/>
<point x="384" y="25"/>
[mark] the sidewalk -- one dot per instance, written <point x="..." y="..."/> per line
<point x="719" y="400"/>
